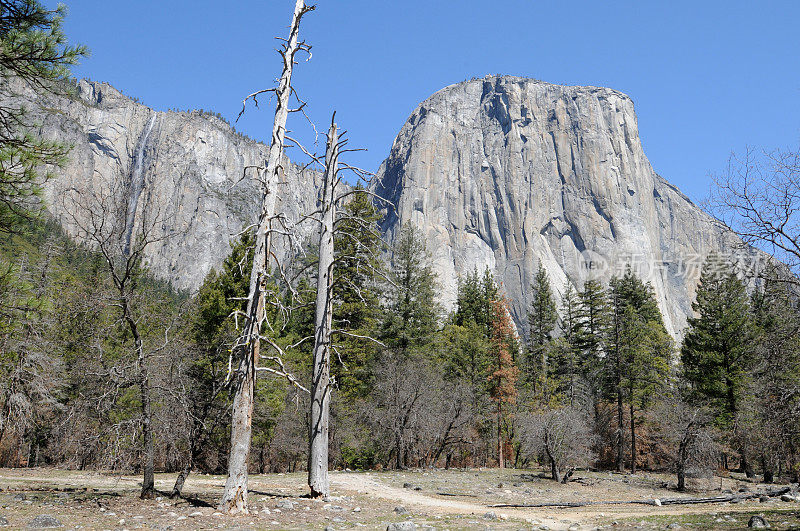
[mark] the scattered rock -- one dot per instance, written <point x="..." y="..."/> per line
<point x="574" y="527"/>
<point x="196" y="514"/>
<point x="337" y="519"/>
<point x="657" y="502"/>
<point x="757" y="522"/>
<point x="19" y="497"/>
<point x="45" y="521"/>
<point x="788" y="498"/>
<point x="356" y="509"/>
<point x="401" y="526"/>
<point x="674" y="526"/>
<point x="490" y="516"/>
<point x="400" y="510"/>
<point x="763" y="499"/>
<point x="285" y="504"/>
<point x="3" y="521"/>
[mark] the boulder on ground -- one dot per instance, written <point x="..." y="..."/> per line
<point x="45" y="521"/>
<point x="401" y="526"/>
<point x="285" y="504"/>
<point x="757" y="522"/>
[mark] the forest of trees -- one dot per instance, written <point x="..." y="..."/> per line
<point x="102" y="366"/>
<point x="597" y="382"/>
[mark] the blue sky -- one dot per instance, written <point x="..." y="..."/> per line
<point x="707" y="78"/>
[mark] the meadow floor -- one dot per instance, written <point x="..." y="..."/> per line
<point x="440" y="499"/>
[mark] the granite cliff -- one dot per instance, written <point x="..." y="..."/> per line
<point x="507" y="173"/>
<point x="500" y="172"/>
<point x="188" y="165"/>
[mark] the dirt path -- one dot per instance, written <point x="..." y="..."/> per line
<point x="366" y="485"/>
<point x="555" y="518"/>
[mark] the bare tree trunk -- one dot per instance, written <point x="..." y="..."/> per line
<point x="177" y="489"/>
<point x="398" y="445"/>
<point x="234" y="498"/>
<point x="320" y="377"/>
<point x="500" y="459"/>
<point x="633" y="439"/>
<point x="554" y="471"/>
<point x="148" y="479"/>
<point x="620" y="432"/>
<point x="681" y="467"/>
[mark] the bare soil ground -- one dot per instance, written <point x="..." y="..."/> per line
<point x="440" y="499"/>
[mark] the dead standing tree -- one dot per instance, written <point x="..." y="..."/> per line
<point x="320" y="376"/>
<point x="248" y="347"/>
<point x="331" y="226"/>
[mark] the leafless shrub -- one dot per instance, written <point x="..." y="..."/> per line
<point x="562" y="435"/>
<point x="687" y="433"/>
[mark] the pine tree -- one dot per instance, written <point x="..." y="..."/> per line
<point x="716" y="351"/>
<point x="33" y="52"/>
<point x="591" y="335"/>
<point x="357" y="278"/>
<point x="773" y="396"/>
<point x="638" y="352"/>
<point x="542" y="320"/>
<point x="413" y="311"/>
<point x="472" y="328"/>
<point x="503" y="372"/>
<point x="565" y="352"/>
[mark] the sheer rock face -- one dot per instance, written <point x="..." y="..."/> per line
<point x="190" y="175"/>
<point x="508" y="173"/>
<point x="500" y="172"/>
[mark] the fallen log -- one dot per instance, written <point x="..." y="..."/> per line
<point x="654" y="502"/>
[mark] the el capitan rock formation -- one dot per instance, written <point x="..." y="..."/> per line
<point x="506" y="172"/>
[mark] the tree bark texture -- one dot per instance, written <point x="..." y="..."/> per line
<point x="234" y="498"/>
<point x="320" y="376"/>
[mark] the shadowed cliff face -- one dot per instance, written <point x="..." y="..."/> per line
<point x="507" y="173"/>
<point x="185" y="170"/>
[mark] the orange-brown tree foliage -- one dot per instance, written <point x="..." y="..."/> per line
<point x="503" y="372"/>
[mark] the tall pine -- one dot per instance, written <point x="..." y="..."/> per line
<point x="542" y="320"/>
